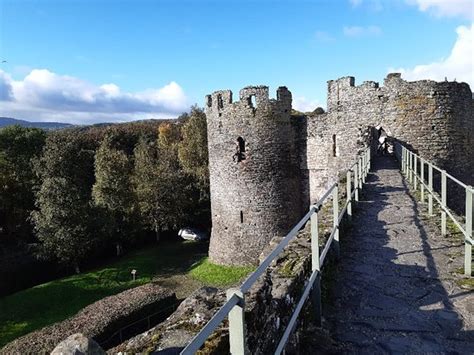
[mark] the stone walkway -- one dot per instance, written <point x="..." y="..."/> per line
<point x="393" y="289"/>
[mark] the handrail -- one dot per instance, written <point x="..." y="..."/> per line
<point x="409" y="165"/>
<point x="233" y="308"/>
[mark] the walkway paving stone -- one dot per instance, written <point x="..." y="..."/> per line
<point x="393" y="291"/>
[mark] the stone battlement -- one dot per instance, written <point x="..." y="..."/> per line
<point x="267" y="166"/>
<point x="250" y="97"/>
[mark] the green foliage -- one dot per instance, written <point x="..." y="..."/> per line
<point x="18" y="147"/>
<point x="65" y="220"/>
<point x="161" y="186"/>
<point x="193" y="156"/>
<point x="193" y="153"/>
<point x="57" y="300"/>
<point x="113" y="191"/>
<point x="219" y="275"/>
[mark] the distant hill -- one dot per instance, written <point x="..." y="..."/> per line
<point x="7" y="121"/>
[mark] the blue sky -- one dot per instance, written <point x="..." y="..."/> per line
<point x="103" y="60"/>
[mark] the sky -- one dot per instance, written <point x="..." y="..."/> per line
<point x="85" y="61"/>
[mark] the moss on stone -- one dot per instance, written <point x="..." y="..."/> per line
<point x="466" y="283"/>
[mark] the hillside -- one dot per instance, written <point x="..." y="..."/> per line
<point x="7" y="121"/>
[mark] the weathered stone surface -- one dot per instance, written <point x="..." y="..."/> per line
<point x="291" y="160"/>
<point x="414" y="309"/>
<point x="78" y="344"/>
<point x="255" y="195"/>
<point x="178" y="330"/>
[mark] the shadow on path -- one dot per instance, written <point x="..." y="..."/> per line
<point x="388" y="295"/>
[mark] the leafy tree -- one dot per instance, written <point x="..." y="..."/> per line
<point x="18" y="147"/>
<point x="65" y="223"/>
<point x="193" y="156"/>
<point x="161" y="185"/>
<point x="193" y="153"/>
<point x="113" y="191"/>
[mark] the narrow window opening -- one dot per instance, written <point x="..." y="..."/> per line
<point x="253" y="101"/>
<point x="239" y="150"/>
<point x="220" y="102"/>
<point x="209" y="101"/>
<point x="241" y="217"/>
<point x="334" y="146"/>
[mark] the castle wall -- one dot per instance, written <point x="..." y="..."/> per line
<point x="262" y="186"/>
<point x="433" y="118"/>
<point x="257" y="195"/>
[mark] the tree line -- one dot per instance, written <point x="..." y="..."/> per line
<point x="82" y="190"/>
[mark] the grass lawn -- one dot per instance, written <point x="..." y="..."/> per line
<point x="219" y="276"/>
<point x="182" y="267"/>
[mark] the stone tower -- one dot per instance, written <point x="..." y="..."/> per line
<point x="254" y="172"/>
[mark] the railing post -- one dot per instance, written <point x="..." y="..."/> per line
<point x="407" y="162"/>
<point x="356" y="181"/>
<point x="349" y="195"/>
<point x="315" y="265"/>
<point x="410" y="167"/>
<point x="468" y="246"/>
<point x="422" y="184"/>
<point x="335" y="205"/>
<point x="430" y="189"/>
<point x="415" y="171"/>
<point x="237" y="323"/>
<point x="443" y="202"/>
<point x="369" y="151"/>
<point x="360" y="173"/>
<point x="362" y="157"/>
<point x="403" y="159"/>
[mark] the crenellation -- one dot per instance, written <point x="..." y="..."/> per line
<point x="267" y="166"/>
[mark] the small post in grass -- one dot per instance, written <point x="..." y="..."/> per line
<point x="134" y="274"/>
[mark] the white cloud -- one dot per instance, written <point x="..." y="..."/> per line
<point x="446" y="8"/>
<point x="360" y="31"/>
<point x="43" y="94"/>
<point x="458" y="65"/>
<point x="303" y="104"/>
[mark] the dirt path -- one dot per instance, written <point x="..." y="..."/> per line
<point x="395" y="289"/>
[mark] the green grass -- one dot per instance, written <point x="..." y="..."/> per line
<point x="217" y="275"/>
<point x="57" y="300"/>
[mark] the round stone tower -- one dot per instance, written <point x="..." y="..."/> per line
<point x="254" y="172"/>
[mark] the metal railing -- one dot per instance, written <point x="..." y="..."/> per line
<point x="414" y="167"/>
<point x="234" y="307"/>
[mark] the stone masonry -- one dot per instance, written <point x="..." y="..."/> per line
<point x="267" y="166"/>
<point x="254" y="172"/>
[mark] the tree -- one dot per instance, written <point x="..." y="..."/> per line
<point x="113" y="191"/>
<point x="193" y="156"/>
<point x="160" y="183"/>
<point x="65" y="221"/>
<point x="193" y="153"/>
<point x="19" y="146"/>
